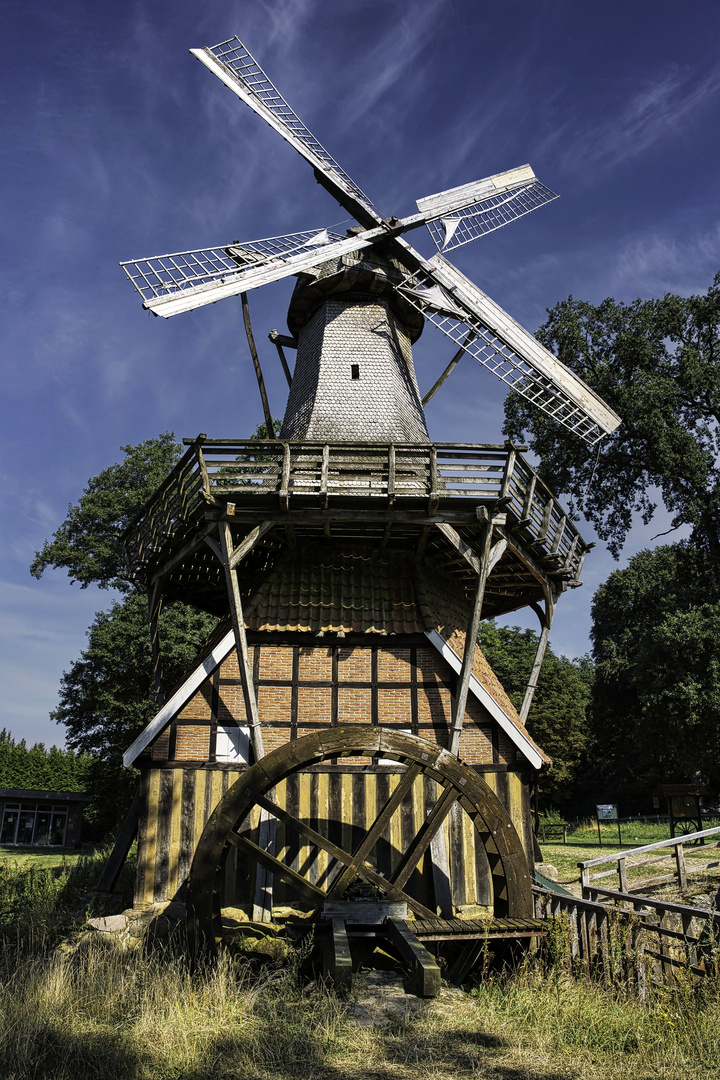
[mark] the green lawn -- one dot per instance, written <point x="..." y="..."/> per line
<point x="43" y="858"/>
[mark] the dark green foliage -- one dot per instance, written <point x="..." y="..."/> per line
<point x="87" y="543"/>
<point x="41" y="769"/>
<point x="657" y="363"/>
<point x="558" y="716"/>
<point x="656" y="643"/>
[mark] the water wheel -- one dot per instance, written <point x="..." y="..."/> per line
<point x="456" y="784"/>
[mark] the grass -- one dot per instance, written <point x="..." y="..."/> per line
<point x="44" y="857"/>
<point x="96" y="1012"/>
<point x="565" y="858"/>
<point x="75" y="1006"/>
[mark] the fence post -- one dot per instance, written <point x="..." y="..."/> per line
<point x="681" y="872"/>
<point x="584" y="879"/>
<point x="564" y="834"/>
<point x="622" y="874"/>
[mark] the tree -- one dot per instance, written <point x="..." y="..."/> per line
<point x="87" y="544"/>
<point x="656" y="644"/>
<point x="106" y="697"/>
<point x="657" y="363"/>
<point x="557" y="719"/>
<point x="36" y="767"/>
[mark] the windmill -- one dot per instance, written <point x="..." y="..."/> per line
<point x="179" y="282"/>
<point x="342" y="730"/>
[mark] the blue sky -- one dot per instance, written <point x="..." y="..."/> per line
<point x="118" y="144"/>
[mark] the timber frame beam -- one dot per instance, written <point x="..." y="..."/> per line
<point x="231" y="556"/>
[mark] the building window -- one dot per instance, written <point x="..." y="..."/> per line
<point x="9" y="824"/>
<point x="34" y="824"/>
<point x="354" y="371"/>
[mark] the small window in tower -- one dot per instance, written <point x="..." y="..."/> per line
<point x="354" y="371"/>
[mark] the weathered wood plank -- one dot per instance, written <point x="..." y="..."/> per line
<point x="422" y="964"/>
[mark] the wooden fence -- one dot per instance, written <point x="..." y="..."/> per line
<point x="628" y="860"/>
<point x="634" y="940"/>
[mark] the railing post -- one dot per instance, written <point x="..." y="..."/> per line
<point x="622" y="874"/>
<point x="508" y="470"/>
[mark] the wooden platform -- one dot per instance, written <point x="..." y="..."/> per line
<point x="427" y="500"/>
<point x="410" y="937"/>
<point x="472" y="929"/>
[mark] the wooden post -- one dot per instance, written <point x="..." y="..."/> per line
<point x="461" y="693"/>
<point x="449" y="369"/>
<point x="154" y="608"/>
<point x="622" y="874"/>
<point x="277" y="342"/>
<point x="539" y="657"/>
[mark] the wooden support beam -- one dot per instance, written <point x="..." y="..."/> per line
<point x="338" y="959"/>
<point x="539" y="657"/>
<point x="179" y="557"/>
<point x="449" y="369"/>
<point x="248" y="543"/>
<point x="278" y="341"/>
<point x="243" y="655"/>
<point x="256" y="365"/>
<point x="123" y="843"/>
<point x="461" y="693"/>
<point x="466" y="961"/>
<point x="422" y="964"/>
<point x="263" y="901"/>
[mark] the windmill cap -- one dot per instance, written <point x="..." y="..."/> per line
<point x="361" y="275"/>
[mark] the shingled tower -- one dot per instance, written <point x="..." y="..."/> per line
<point x="354" y="377"/>
<point x="341" y="730"/>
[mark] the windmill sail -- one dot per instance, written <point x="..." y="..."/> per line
<point x="182" y="281"/>
<point x="456" y="306"/>
<point x="238" y="69"/>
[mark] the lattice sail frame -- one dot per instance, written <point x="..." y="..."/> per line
<point x="465" y="329"/>
<point x="242" y="73"/>
<point x="163" y="275"/>
<point x="454" y="230"/>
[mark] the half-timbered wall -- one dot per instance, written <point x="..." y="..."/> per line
<point x="304" y="686"/>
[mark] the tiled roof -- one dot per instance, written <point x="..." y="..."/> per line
<point x="334" y="591"/>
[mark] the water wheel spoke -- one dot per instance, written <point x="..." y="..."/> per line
<point x="366" y="872"/>
<point x="374" y="833"/>
<point x="423" y="839"/>
<point x="286" y="873"/>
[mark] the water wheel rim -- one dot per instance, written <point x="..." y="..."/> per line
<point x="458" y="784"/>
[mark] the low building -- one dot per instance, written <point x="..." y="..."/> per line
<point x="41" y="818"/>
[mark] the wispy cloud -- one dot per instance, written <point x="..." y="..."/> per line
<point x="657" y="110"/>
<point x="394" y="57"/>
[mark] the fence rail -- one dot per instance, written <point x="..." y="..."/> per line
<point x="623" y="862"/>
<point x="306" y="475"/>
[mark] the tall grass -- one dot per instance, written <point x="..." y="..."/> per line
<point x="98" y="1012"/>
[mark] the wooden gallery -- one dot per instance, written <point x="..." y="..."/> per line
<point x="341" y="735"/>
